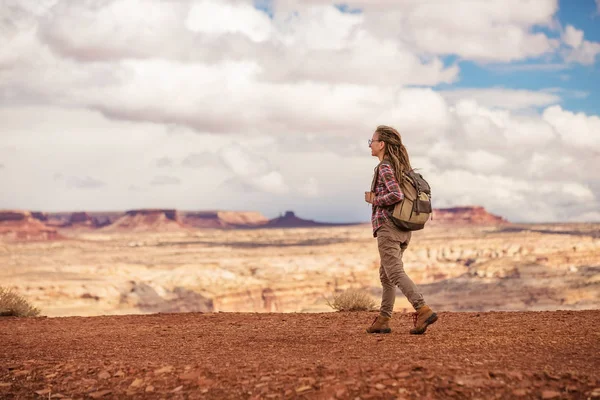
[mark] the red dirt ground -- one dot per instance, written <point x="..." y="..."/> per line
<point x="492" y="355"/>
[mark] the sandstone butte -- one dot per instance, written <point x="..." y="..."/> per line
<point x="36" y="225"/>
<point x="21" y="225"/>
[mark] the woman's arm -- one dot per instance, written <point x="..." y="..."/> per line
<point x="395" y="194"/>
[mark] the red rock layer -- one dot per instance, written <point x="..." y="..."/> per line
<point x="21" y="225"/>
<point x="147" y="220"/>
<point x="466" y="215"/>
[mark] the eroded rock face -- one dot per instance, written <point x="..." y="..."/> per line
<point x="465" y="215"/>
<point x="81" y="218"/>
<point x="224" y="219"/>
<point x="474" y="268"/>
<point x="40" y="216"/>
<point x="21" y="225"/>
<point x="14" y="215"/>
<point x="147" y="220"/>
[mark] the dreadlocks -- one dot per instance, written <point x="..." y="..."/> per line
<point x="394" y="150"/>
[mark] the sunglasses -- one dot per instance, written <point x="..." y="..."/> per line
<point x="373" y="140"/>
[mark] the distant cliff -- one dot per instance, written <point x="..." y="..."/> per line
<point x="475" y="215"/>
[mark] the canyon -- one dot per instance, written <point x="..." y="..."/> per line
<point x="148" y="261"/>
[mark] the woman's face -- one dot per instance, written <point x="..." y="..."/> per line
<point x="376" y="145"/>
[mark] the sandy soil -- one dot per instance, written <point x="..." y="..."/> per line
<point x="491" y="355"/>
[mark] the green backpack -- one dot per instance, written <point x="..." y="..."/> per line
<point x="414" y="210"/>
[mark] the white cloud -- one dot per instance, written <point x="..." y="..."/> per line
<point x="83" y="183"/>
<point x="310" y="188"/>
<point x="215" y="98"/>
<point x="573" y="37"/>
<point x="164" y="162"/>
<point x="165" y="180"/>
<point x="575" y="129"/>
<point x="217" y="18"/>
<point x="253" y="170"/>
<point x="482" y="31"/>
<point x="580" y="50"/>
<point x="510" y="99"/>
<point x="201" y="160"/>
<point x="483" y="161"/>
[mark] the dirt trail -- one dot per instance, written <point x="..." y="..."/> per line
<point x="502" y="355"/>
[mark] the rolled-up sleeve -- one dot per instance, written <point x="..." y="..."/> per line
<point x="394" y="194"/>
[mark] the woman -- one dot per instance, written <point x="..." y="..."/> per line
<point x="387" y="144"/>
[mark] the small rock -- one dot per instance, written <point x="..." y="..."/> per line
<point x="550" y="376"/>
<point x="519" y="392"/>
<point x="149" y="388"/>
<point x="303" y="389"/>
<point x="515" y="375"/>
<point x="380" y="386"/>
<point x="99" y="394"/>
<point x="5" y="384"/>
<point x="177" y="389"/>
<point x="550" y="394"/>
<point x="136" y="383"/>
<point x="50" y="376"/>
<point x="164" y="370"/>
<point x="595" y="393"/>
<point x="58" y="396"/>
<point x="104" y="375"/>
<point x="119" y="374"/>
<point x="43" y="392"/>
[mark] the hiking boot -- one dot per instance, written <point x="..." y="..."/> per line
<point x="423" y="318"/>
<point x="380" y="325"/>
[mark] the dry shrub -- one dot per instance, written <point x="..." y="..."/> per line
<point x="13" y="305"/>
<point x="352" y="300"/>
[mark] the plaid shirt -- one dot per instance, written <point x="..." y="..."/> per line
<point x="387" y="193"/>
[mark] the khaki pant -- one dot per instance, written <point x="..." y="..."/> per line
<point x="391" y="243"/>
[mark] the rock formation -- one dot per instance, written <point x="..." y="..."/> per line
<point x="21" y="225"/>
<point x="40" y="216"/>
<point x="82" y="219"/>
<point x="468" y="215"/>
<point x="289" y="220"/>
<point x="147" y="220"/>
<point x="223" y="219"/>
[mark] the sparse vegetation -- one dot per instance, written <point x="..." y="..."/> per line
<point x="352" y="300"/>
<point x="11" y="304"/>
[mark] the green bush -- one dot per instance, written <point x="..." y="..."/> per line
<point x="13" y="305"/>
<point x="352" y="300"/>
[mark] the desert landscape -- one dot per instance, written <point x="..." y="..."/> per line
<point x="157" y="304"/>
<point x="148" y="261"/>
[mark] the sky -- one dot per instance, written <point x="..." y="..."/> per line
<point x="267" y="105"/>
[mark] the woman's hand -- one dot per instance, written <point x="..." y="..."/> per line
<point x="369" y="197"/>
